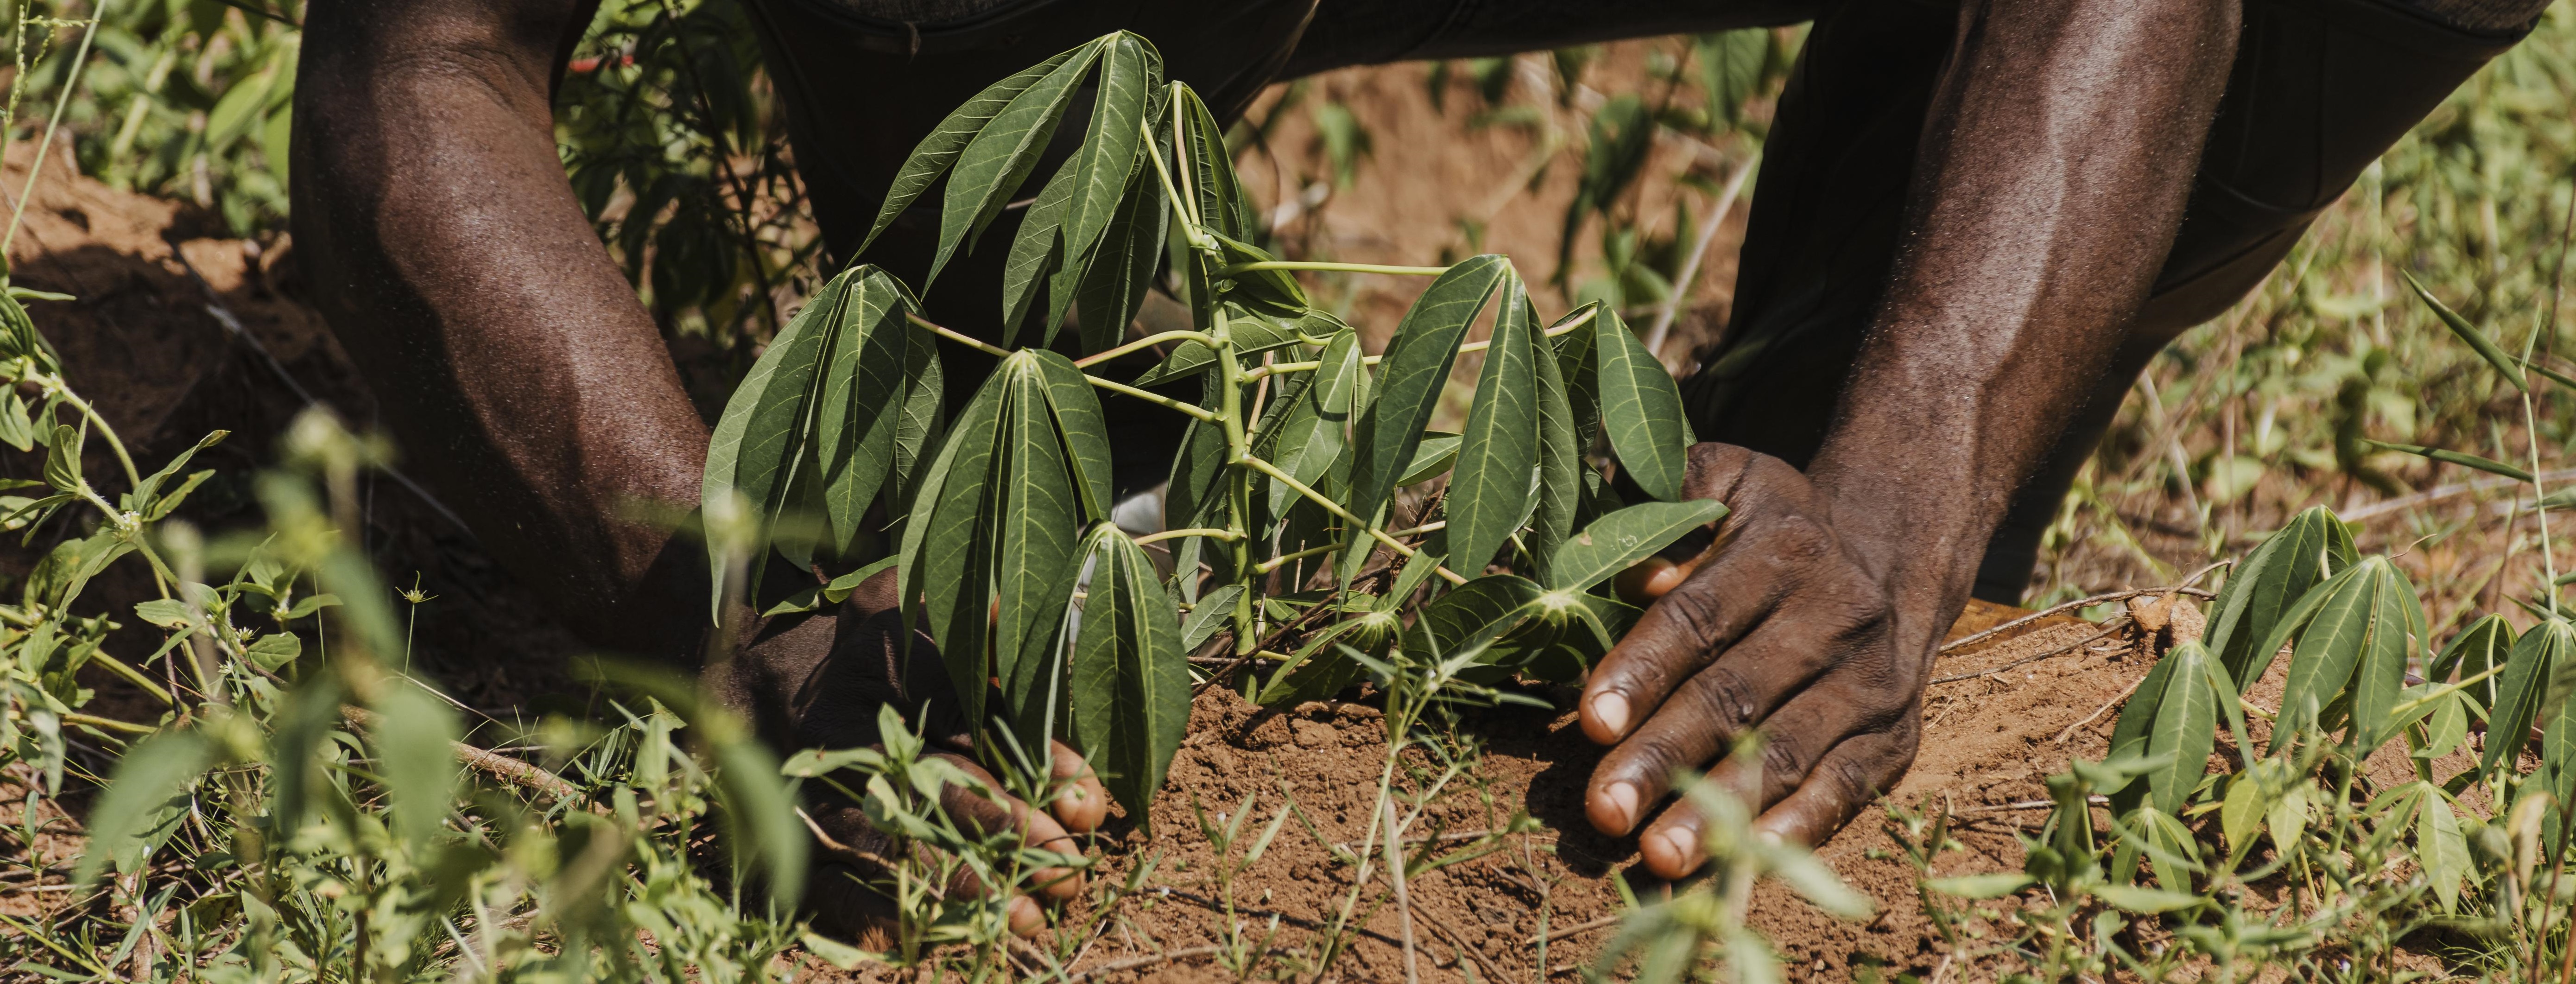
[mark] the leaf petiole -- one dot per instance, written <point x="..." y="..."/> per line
<point x="1381" y="536"/>
<point x="1234" y="269"/>
<point x="1148" y="341"/>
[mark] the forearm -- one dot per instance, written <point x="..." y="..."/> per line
<point x="2053" y="174"/>
<point x="512" y="360"/>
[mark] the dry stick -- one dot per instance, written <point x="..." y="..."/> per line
<point x="1975" y="637"/>
<point x="1699" y="253"/>
<point x="2115" y="625"/>
<point x="1492" y="972"/>
<point x="1575" y="930"/>
<point x="1132" y="963"/>
<point x="500" y="767"/>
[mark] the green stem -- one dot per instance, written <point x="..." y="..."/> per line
<point x="1148" y="341"/>
<point x="1205" y="531"/>
<point x="134" y="676"/>
<point x="1277" y="368"/>
<point x="1336" y="509"/>
<point x="959" y="337"/>
<point x="1238" y="479"/>
<point x="1234" y="269"/>
<point x="1157" y="399"/>
<point x="107" y="724"/>
<point x="1282" y="560"/>
<point x="133" y="476"/>
<point x="1180" y="208"/>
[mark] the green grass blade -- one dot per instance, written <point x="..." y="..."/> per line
<point x="2488" y="465"/>
<point x="1642" y="410"/>
<point x="1492" y="484"/>
<point x="1002" y="154"/>
<point x="2478" y="340"/>
<point x="933" y="155"/>
<point x="1628" y="536"/>
<point x="1412" y="374"/>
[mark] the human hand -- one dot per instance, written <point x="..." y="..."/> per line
<point x="1780" y="628"/>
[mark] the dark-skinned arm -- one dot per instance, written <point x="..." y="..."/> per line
<point x="2055" y="166"/>
<point x="515" y="365"/>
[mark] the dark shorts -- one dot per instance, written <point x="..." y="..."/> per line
<point x="2319" y="90"/>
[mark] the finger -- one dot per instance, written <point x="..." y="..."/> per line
<point x="1846" y="781"/>
<point x="1677" y="637"/>
<point x="1754" y="683"/>
<point x="984" y="815"/>
<point x="1026" y="918"/>
<point x="1080" y="802"/>
<point x="847" y="908"/>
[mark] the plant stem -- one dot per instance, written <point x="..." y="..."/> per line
<point x="1208" y="532"/>
<point x="107" y="724"/>
<point x="1180" y="208"/>
<point x="959" y="337"/>
<point x="135" y="676"/>
<point x="1156" y="399"/>
<point x="1234" y="269"/>
<point x="1148" y="341"/>
<point x="1275" y="563"/>
<point x="133" y="476"/>
<point x="1336" y="509"/>
<point x="1238" y="493"/>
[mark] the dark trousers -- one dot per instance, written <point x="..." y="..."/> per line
<point x="2320" y="89"/>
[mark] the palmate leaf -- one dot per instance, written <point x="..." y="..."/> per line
<point x="1130" y="69"/>
<point x="1641" y="409"/>
<point x="1037" y="254"/>
<point x="2249" y="608"/>
<point x="2186" y="727"/>
<point x="1130" y="683"/>
<point x="2354" y="647"/>
<point x="1411" y="375"/>
<point x="1253" y="334"/>
<point x="1036" y="515"/>
<point x="947" y="552"/>
<point x="1616" y="541"/>
<point x="861" y="405"/>
<point x="758" y="439"/>
<point x="1560" y="464"/>
<point x="936" y="152"/>
<point x="1003" y="153"/>
<point x="2524" y="693"/>
<point x="2483" y="646"/>
<point x="1085" y="431"/>
<point x="1492" y="485"/>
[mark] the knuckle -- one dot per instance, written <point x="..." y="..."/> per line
<point x="1728" y="701"/>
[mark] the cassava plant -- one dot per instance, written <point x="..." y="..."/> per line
<point x="836" y="451"/>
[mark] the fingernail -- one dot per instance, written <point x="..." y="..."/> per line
<point x="1680" y="845"/>
<point x="1611" y="710"/>
<point x="1623" y="797"/>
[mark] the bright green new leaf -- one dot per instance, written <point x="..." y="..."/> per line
<point x="1130" y="679"/>
<point x="1616" y="541"/>
<point x="1493" y="483"/>
<point x="1641" y="409"/>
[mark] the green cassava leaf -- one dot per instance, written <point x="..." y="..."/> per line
<point x="2478" y="340"/>
<point x="2186" y="727"/>
<point x="917" y="429"/>
<point x="1578" y="362"/>
<point x="1431" y="458"/>
<point x="1560" y="464"/>
<point x="1129" y="70"/>
<point x="2440" y="846"/>
<point x="2346" y="645"/>
<point x="1623" y="538"/>
<point x="1470" y="618"/>
<point x="860" y="406"/>
<point x="2536" y="658"/>
<point x="2481" y="647"/>
<point x="1317" y="427"/>
<point x="1642" y="410"/>
<point x="1085" y="430"/>
<point x="1209" y="615"/>
<point x="2267" y="584"/>
<point x="1037" y="254"/>
<point x="1492" y="485"/>
<point x="1002" y="154"/>
<point x="758" y="439"/>
<point x="1037" y="517"/>
<point x="1321" y="668"/>
<point x="1411" y="376"/>
<point x="948" y="545"/>
<point x="1122" y="264"/>
<point x="1130" y="680"/>
<point x="936" y="152"/>
<point x="1253" y="334"/>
